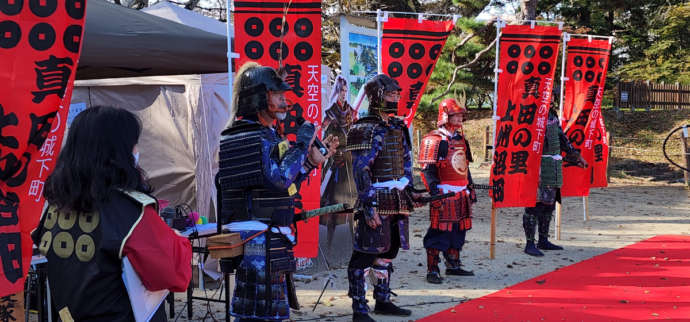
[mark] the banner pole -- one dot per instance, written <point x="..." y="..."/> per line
<point x="453" y="16"/>
<point x="378" y="41"/>
<point x="492" y="247"/>
<point x="496" y="71"/>
<point x="566" y="38"/>
<point x="559" y="207"/>
<point x="231" y="54"/>
<point x="590" y="36"/>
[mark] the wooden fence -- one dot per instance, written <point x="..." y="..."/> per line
<point x="650" y="96"/>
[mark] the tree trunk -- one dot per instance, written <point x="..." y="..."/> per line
<point x="528" y="9"/>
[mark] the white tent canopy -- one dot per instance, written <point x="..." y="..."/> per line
<point x="171" y="11"/>
<point x="182" y="117"/>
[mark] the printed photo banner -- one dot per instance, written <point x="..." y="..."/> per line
<point x="585" y="69"/>
<point x="527" y="63"/>
<point x="409" y="51"/>
<point x="39" y="53"/>
<point x="260" y="37"/>
<point x="358" y="59"/>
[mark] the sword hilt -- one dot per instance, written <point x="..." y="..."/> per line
<point x="482" y="186"/>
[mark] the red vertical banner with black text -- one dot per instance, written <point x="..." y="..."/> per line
<point x="600" y="148"/>
<point x="527" y="63"/>
<point x="39" y="53"/>
<point x="585" y="69"/>
<point x="260" y="36"/>
<point x="409" y="51"/>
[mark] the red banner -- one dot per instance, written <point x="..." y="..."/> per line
<point x="585" y="69"/>
<point x="260" y="37"/>
<point x="600" y="148"/>
<point x="39" y="51"/>
<point x="527" y="63"/>
<point x="409" y="51"/>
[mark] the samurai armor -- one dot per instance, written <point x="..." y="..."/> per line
<point x="551" y="173"/>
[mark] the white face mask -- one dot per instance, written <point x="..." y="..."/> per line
<point x="136" y="158"/>
<point x="281" y="116"/>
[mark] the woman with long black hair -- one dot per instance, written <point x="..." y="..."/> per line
<point x="99" y="211"/>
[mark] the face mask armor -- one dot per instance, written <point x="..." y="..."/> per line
<point x="375" y="89"/>
<point x="252" y="87"/>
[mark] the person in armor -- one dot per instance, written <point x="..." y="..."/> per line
<point x="382" y="164"/>
<point x="550" y="182"/>
<point x="445" y="156"/>
<point x="337" y="184"/>
<point x="99" y="212"/>
<point x="258" y="178"/>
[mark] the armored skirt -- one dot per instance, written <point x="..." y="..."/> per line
<point x="260" y="287"/>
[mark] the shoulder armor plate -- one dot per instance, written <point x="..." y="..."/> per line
<point x="428" y="150"/>
<point x="361" y="134"/>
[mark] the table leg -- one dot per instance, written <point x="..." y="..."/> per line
<point x="190" y="291"/>
<point x="226" y="276"/>
<point x="171" y="304"/>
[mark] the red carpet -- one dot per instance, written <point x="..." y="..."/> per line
<point x="649" y="280"/>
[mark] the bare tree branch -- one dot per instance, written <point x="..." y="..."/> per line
<point x="458" y="68"/>
<point x="462" y="43"/>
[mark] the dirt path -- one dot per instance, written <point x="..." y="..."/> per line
<point x="626" y="212"/>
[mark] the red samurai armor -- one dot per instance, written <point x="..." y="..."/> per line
<point x="447" y="154"/>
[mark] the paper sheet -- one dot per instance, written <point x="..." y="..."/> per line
<point x="144" y="302"/>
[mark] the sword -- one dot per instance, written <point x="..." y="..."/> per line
<point x="481" y="186"/>
<point x="427" y="199"/>
<point x="332" y="209"/>
<point x="326" y="179"/>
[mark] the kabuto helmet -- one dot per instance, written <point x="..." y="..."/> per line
<point x="448" y="107"/>
<point x="250" y="88"/>
<point x="376" y="88"/>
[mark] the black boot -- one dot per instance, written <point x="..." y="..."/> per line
<point x="453" y="265"/>
<point x="433" y="274"/>
<point x="529" y="223"/>
<point x="544" y="220"/>
<point x="545" y="244"/>
<point x="532" y="250"/>
<point x="382" y="293"/>
<point x="361" y="317"/>
<point x="388" y="308"/>
<point x="357" y="291"/>
<point x="434" y="278"/>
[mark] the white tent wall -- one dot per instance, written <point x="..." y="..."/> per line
<point x="182" y="117"/>
<point x="173" y="12"/>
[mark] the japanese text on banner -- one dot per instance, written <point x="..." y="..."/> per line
<point x="527" y="62"/>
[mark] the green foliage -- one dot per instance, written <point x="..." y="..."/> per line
<point x="650" y="35"/>
<point x="475" y="81"/>
<point x="666" y="59"/>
